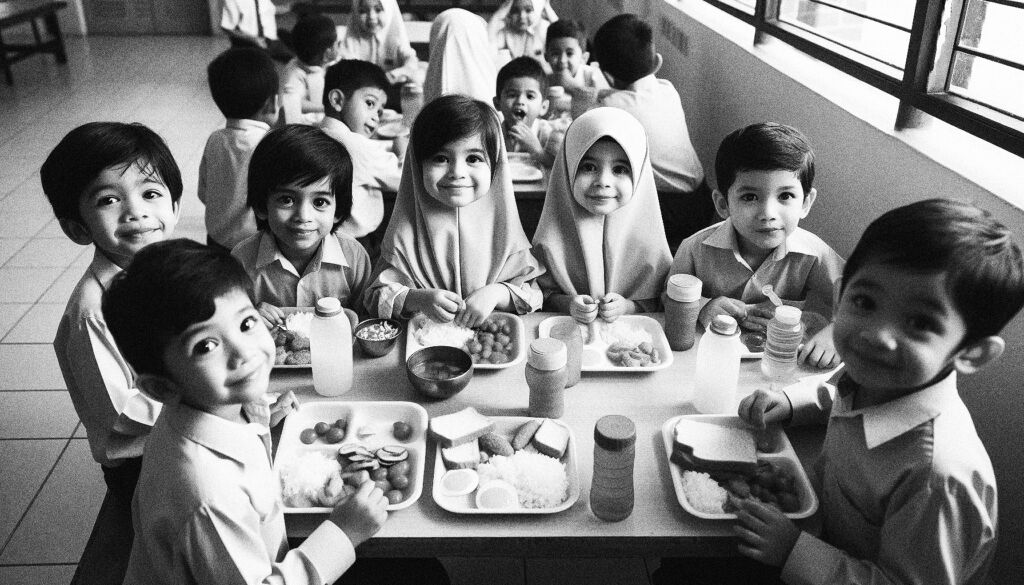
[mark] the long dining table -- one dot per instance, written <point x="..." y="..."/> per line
<point x="658" y="525"/>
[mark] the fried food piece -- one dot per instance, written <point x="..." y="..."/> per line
<point x="298" y="358"/>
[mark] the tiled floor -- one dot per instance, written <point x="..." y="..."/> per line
<point x="50" y="488"/>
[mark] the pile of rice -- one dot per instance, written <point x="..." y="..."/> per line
<point x="311" y="480"/>
<point x="704" y="493"/>
<point x="432" y="333"/>
<point x="625" y="334"/>
<point x="540" y="481"/>
<point x="299" y="323"/>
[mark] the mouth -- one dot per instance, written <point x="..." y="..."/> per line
<point x="303" y="232"/>
<point x="248" y="377"/>
<point x="769" y="231"/>
<point x="135" y="233"/>
<point x="519" y="114"/>
<point x="871" y="360"/>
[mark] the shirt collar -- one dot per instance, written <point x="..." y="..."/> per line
<point x="798" y="242"/>
<point x="330" y="252"/>
<point x="329" y="125"/>
<point x="103" y="269"/>
<point x="217" y="434"/>
<point x="246" y="124"/>
<point x="884" y="422"/>
<point x="644" y="82"/>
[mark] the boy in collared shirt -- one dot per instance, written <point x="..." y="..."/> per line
<point x="522" y="100"/>
<point x="243" y="83"/>
<point x="907" y="490"/>
<point x="565" y="50"/>
<point x="253" y="23"/>
<point x="208" y="507"/>
<point x="316" y="42"/>
<point x="765" y="176"/>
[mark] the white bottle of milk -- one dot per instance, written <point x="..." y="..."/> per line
<point x="718" y="368"/>
<point x="330" y="348"/>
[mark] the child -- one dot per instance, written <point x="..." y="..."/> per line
<point x="243" y="83"/>
<point x="454" y="248"/>
<point x="522" y="90"/>
<point x="517" y="29"/>
<point x="907" y="491"/>
<point x="625" y="48"/>
<point x="765" y="176"/>
<point x="354" y="97"/>
<point x="208" y="508"/>
<point x="253" y="23"/>
<point x="300" y="188"/>
<point x="376" y="33"/>
<point x="565" y="50"/>
<point x="315" y="39"/>
<point x="598" y="234"/>
<point x="461" y="57"/>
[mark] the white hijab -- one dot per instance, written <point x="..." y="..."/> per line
<point x="461" y="57"/>
<point x="358" y="43"/>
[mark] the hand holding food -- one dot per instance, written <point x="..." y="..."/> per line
<point x="439" y="305"/>
<point x="758" y="316"/>
<point x="479" y="304"/>
<point x="363" y="514"/>
<point x="272" y="316"/>
<point x="723" y="306"/>
<point x="763" y="407"/>
<point x="583" y="308"/>
<point x="612" y="306"/>
<point x="765" y="534"/>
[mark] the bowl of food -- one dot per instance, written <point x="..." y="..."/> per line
<point x="376" y="337"/>
<point x="439" y="371"/>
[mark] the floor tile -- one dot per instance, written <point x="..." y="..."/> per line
<point x="63" y="286"/>
<point x="51" y="230"/>
<point x="493" y="571"/>
<point x="29" y="367"/>
<point x="58" y="523"/>
<point x="38" y="325"/>
<point x="37" y="415"/>
<point x="26" y="465"/>
<point x="26" y="285"/>
<point x="627" y="571"/>
<point x="9" y="315"/>
<point x="80" y="431"/>
<point x="36" y="574"/>
<point x="9" y="246"/>
<point x="40" y="252"/>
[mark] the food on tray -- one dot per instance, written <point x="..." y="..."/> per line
<point x="460" y="427"/>
<point x="432" y="333"/>
<point x="710" y="447"/>
<point x="388" y="467"/>
<point x="299" y="323"/>
<point x="496" y="494"/>
<point x="459" y="482"/>
<point x="312" y="479"/>
<point x="525" y="433"/>
<point x="436" y="370"/>
<point x="292" y="341"/>
<point x="492" y="342"/>
<point x="704" y="493"/>
<point x="401" y="430"/>
<point x="551" y="439"/>
<point x="464" y="456"/>
<point x="629" y="346"/>
<point x="378" y="332"/>
<point x="329" y="433"/>
<point x="540" y="481"/>
<point x="495" y="444"/>
<point x="770" y="483"/>
<point x="628" y="356"/>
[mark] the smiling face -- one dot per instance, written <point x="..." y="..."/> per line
<point x="300" y="217"/>
<point x="124" y="209"/>
<point x="565" y="54"/>
<point x="458" y="174"/>
<point x="371" y="15"/>
<point x="223" y="362"/>
<point x="361" y="111"/>
<point x="604" y="178"/>
<point x="896" y="329"/>
<point x="522" y="15"/>
<point x="521" y="101"/>
<point x="765" y="207"/>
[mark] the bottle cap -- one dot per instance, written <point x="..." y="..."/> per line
<point x="788" y="315"/>
<point x="724" y="325"/>
<point x="547" y="354"/>
<point x="328" y="307"/>
<point x="556" y="91"/>
<point x="684" y="288"/>
<point x="614" y="432"/>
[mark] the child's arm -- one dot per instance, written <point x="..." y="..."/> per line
<point x="272" y="316"/>
<point x="525" y="136"/>
<point x="362" y="514"/>
<point x="481" y="302"/>
<point x="439" y="305"/>
<point x="820" y="350"/>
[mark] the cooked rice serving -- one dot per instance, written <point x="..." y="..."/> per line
<point x="299" y="323"/>
<point x="311" y="480"/>
<point x="704" y="493"/>
<point x="540" y="481"/>
<point x="432" y="333"/>
<point x="619" y="332"/>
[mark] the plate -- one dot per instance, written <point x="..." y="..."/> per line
<point x="525" y="172"/>
<point x="412" y="345"/>
<point x="465" y="504"/>
<point x="393" y="129"/>
<point x="782" y="455"/>
<point x="291" y="311"/>
<point x="594" y="358"/>
<point x="378" y="416"/>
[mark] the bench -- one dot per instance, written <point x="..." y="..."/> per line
<point x="15" y="12"/>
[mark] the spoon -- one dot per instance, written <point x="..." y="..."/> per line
<point x="769" y="292"/>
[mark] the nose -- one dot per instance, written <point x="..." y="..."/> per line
<point x="880" y="337"/>
<point x="134" y="208"/>
<point x="303" y="212"/>
<point x="769" y="209"/>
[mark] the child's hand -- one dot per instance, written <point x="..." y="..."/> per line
<point x="480" y="304"/>
<point x="525" y="136"/>
<point x="722" y="306"/>
<point x="564" y="78"/>
<point x="758" y="316"/>
<point x="820" y="351"/>
<point x="612" y="306"/>
<point x="583" y="308"/>
<point x="272" y="316"/>
<point x="764" y="407"/>
<point x="765" y="534"/>
<point x="362" y="514"/>
<point x="282" y="407"/>
<point x="439" y="305"/>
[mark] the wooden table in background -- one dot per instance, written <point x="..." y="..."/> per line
<point x="14" y="12"/>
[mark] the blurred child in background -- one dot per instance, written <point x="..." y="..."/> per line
<point x="522" y="100"/>
<point x="376" y="33"/>
<point x="315" y="39"/>
<point x="461" y="58"/>
<point x="518" y="29"/>
<point x="253" y="23"/>
<point x="565" y="50"/>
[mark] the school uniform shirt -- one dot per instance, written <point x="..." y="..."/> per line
<point x="550" y="139"/>
<point x="208" y="510"/>
<point x="804" y="269"/>
<point x="462" y="59"/>
<point x="388" y="48"/>
<point x="623" y="252"/>
<point x="243" y="15"/>
<point x="223" y="181"/>
<point x="117" y="416"/>
<point x="301" y="82"/>
<point x="907" y="491"/>
<point x="374" y="169"/>
<point x="339" y="269"/>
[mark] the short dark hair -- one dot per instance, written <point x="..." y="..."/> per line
<point x="241" y="80"/>
<point x="523" y="67"/>
<point x="565" y="28"/>
<point x="767" y="146"/>
<point x="624" y="46"/>
<point x="312" y="35"/>
<point x="88" y="150"/>
<point x="299" y="155"/>
<point x="453" y="117"/>
<point x="983" y="264"/>
<point x="169" y="286"/>
<point x="348" y="75"/>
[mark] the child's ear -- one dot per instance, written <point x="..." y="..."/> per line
<point x="544" y="104"/>
<point x="979" y="354"/>
<point x="658" y="62"/>
<point x="159" y="388"/>
<point x="76" y="231"/>
<point x="612" y="82"/>
<point x="808" y="202"/>
<point x="497" y="103"/>
<point x="336" y="99"/>
<point x="586" y="56"/>
<point x="721" y="203"/>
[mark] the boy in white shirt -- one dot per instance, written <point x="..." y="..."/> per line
<point x="253" y="23"/>
<point x="522" y="100"/>
<point x="566" y="52"/>
<point x="316" y="44"/>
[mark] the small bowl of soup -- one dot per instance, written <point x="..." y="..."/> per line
<point x="440" y="371"/>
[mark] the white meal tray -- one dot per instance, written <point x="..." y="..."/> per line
<point x="782" y="455"/>
<point x="594" y="358"/>
<point x="378" y="416"/>
<point x="507" y="426"/>
<point x="518" y="336"/>
<point x="290" y="311"/>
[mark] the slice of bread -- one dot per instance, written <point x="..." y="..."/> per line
<point x="457" y="428"/>
<point x="466" y="455"/>
<point x="551" y="438"/>
<point x="707" y="447"/>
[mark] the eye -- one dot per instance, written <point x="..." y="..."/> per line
<point x="475" y="159"/>
<point x="923" y="324"/>
<point x="249" y="323"/>
<point x="439" y="159"/>
<point x="587" y="167"/>
<point x="284" y="200"/>
<point x="748" y="197"/>
<point x="204" y="347"/>
<point x="862" y="302"/>
<point x="322" y="202"/>
<point x="152" y="194"/>
<point x="787" y="196"/>
<point x="105" y="200"/>
<point x="622" y="170"/>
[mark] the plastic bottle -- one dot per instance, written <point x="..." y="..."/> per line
<point x="330" y="348"/>
<point x="682" y="305"/>
<point x="568" y="332"/>
<point x="718" y="368"/>
<point x="546" y="376"/>
<point x="785" y="332"/>
<point x="611" y="489"/>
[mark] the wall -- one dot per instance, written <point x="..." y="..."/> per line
<point x="863" y="169"/>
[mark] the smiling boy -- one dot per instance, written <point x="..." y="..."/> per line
<point x="522" y="89"/>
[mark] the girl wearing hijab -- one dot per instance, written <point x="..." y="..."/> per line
<point x="518" y="29"/>
<point x="376" y="33"/>
<point x="461" y="58"/>
<point x="454" y="249"/>
<point x="600" y="234"/>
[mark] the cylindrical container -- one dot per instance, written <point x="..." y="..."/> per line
<point x="330" y="348"/>
<point x="412" y="101"/>
<point x="785" y="332"/>
<point x="718" y="368"/>
<point x="546" y="376"/>
<point x="682" y="305"/>
<point x="568" y="332"/>
<point x="611" y="489"/>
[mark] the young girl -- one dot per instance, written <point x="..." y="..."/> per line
<point x="600" y="234"/>
<point x="376" y="33"/>
<point x="518" y="29"/>
<point x="455" y="249"/>
<point x="461" y="58"/>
